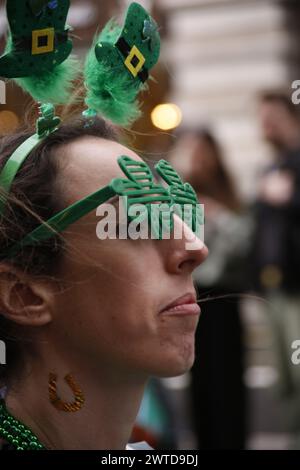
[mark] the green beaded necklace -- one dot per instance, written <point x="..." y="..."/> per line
<point x="16" y="433"/>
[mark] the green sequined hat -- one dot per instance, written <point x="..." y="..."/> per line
<point x="138" y="46"/>
<point x="38" y="37"/>
<point x="119" y="64"/>
<point x="38" y="50"/>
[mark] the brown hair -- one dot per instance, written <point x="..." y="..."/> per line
<point x="222" y="178"/>
<point x="33" y="199"/>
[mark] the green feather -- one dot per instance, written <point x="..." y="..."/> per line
<point x="55" y="86"/>
<point x="110" y="90"/>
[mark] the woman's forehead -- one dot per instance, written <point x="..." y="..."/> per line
<point x="91" y="163"/>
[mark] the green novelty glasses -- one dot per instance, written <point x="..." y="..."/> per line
<point x="139" y="188"/>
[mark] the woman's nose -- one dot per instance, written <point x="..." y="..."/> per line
<point x="186" y="252"/>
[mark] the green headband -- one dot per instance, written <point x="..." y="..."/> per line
<point x="118" y="64"/>
<point x="38" y="58"/>
<point x="46" y="124"/>
<point x="139" y="188"/>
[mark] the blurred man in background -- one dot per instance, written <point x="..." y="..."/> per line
<point x="278" y="209"/>
<point x="277" y="242"/>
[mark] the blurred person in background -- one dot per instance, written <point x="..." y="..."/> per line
<point x="276" y="251"/>
<point x="217" y="389"/>
<point x="278" y="206"/>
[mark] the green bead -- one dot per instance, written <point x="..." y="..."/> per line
<point x="34" y="445"/>
<point x="17" y="433"/>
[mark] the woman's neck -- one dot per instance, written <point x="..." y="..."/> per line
<point x="105" y="421"/>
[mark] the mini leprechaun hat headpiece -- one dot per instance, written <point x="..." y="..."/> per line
<point x="37" y="49"/>
<point x="119" y="64"/>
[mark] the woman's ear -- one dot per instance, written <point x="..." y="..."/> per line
<point x="24" y="299"/>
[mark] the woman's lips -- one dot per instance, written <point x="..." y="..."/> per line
<point x="185" y="305"/>
<point x="185" y="309"/>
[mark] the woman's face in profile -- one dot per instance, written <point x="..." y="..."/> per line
<point x="108" y="312"/>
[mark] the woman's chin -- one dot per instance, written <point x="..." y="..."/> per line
<point x="176" y="366"/>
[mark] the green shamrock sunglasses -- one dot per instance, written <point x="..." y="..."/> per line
<point x="139" y="188"/>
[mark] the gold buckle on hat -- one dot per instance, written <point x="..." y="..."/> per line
<point x="135" y="54"/>
<point x="47" y="33"/>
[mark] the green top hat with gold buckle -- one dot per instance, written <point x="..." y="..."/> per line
<point x="138" y="46"/>
<point x="38" y="37"/>
<point x="120" y="65"/>
<point x="38" y="47"/>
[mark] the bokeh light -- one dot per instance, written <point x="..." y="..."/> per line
<point x="166" y="116"/>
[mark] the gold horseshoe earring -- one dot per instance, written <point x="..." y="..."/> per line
<point x="59" y="404"/>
